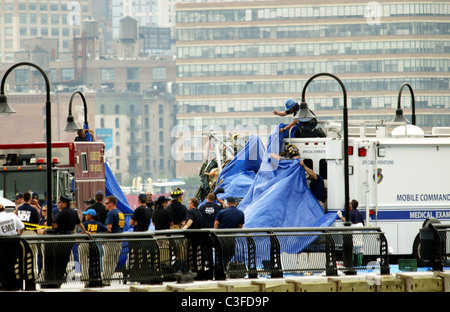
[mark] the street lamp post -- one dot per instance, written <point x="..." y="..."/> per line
<point x="399" y="112"/>
<point x="71" y="125"/>
<point x="304" y="115"/>
<point x="5" y="109"/>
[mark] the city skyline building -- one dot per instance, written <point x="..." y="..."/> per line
<point x="52" y="19"/>
<point x="128" y="82"/>
<point x="253" y="55"/>
<point x="238" y="62"/>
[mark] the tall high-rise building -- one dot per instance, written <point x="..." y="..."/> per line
<point x="21" y="21"/>
<point x="245" y="58"/>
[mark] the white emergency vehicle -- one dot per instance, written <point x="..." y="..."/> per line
<point x="399" y="175"/>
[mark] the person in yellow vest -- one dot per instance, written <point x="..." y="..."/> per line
<point x="115" y="222"/>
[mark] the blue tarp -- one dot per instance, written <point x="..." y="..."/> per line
<point x="113" y="188"/>
<point x="238" y="175"/>
<point x="276" y="192"/>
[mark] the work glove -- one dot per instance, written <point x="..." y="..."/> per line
<point x="339" y="213"/>
<point x="219" y="190"/>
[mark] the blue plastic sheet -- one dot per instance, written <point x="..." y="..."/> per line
<point x="238" y="175"/>
<point x="112" y="188"/>
<point x="278" y="195"/>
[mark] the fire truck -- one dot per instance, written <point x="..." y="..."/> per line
<point x="399" y="175"/>
<point x="78" y="170"/>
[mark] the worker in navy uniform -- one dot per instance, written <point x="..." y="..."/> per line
<point x="194" y="216"/>
<point x="142" y="252"/>
<point x="90" y="253"/>
<point x="99" y="207"/>
<point x="57" y="257"/>
<point x="150" y="203"/>
<point x="177" y="209"/>
<point x="291" y="106"/>
<point x="142" y="215"/>
<point x="305" y="129"/>
<point x="316" y="185"/>
<point x="162" y="218"/>
<point x="229" y="218"/>
<point x="210" y="209"/>
<point x="290" y="152"/>
<point x="355" y="216"/>
<point x="28" y="215"/>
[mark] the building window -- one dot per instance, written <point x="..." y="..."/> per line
<point x="133" y="87"/>
<point x="107" y="74"/>
<point x="21" y="76"/>
<point x="159" y="73"/>
<point x="133" y="73"/>
<point x="67" y="74"/>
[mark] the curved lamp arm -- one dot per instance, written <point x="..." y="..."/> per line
<point x="84" y="103"/>
<point x="48" y="115"/>
<point x="413" y="103"/>
<point x="47" y="82"/>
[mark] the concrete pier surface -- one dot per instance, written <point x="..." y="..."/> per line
<point x="423" y="281"/>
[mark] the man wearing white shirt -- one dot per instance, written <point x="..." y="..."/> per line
<point x="10" y="224"/>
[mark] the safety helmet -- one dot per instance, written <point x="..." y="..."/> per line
<point x="290" y="103"/>
<point x="176" y="193"/>
<point x="293" y="151"/>
<point x="287" y="147"/>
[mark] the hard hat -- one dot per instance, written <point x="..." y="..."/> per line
<point x="290" y="103"/>
<point x="293" y="151"/>
<point x="287" y="147"/>
<point x="176" y="193"/>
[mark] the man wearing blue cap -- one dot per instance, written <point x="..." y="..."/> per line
<point x="91" y="225"/>
<point x="89" y="252"/>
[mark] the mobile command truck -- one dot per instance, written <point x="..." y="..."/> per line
<point x="78" y="170"/>
<point x="399" y="175"/>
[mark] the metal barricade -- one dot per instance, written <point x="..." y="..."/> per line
<point x="435" y="250"/>
<point x="206" y="254"/>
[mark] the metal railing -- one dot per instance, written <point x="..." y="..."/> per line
<point x="177" y="255"/>
<point x="435" y="245"/>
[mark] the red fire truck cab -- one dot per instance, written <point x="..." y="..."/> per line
<point x="78" y="170"/>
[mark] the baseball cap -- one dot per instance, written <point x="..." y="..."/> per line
<point x="142" y="197"/>
<point x="65" y="199"/>
<point x="161" y="199"/>
<point x="19" y="195"/>
<point x="91" y="212"/>
<point x="90" y="201"/>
